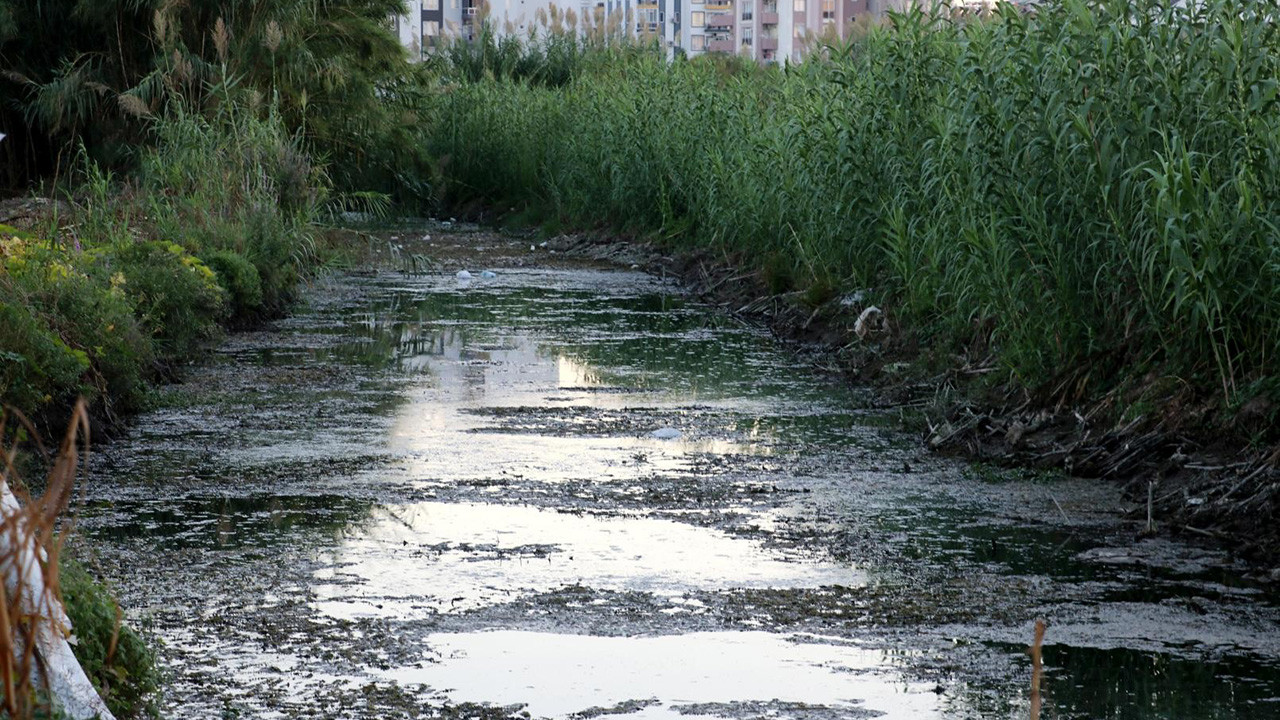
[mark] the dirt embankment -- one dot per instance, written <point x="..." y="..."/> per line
<point x="1184" y="475"/>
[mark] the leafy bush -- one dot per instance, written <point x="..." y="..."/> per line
<point x="82" y="308"/>
<point x="36" y="367"/>
<point x="175" y="295"/>
<point x="240" y="279"/>
<point x="98" y="321"/>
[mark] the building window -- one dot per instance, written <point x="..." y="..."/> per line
<point x="799" y="5"/>
<point x="746" y="36"/>
<point x="828" y="9"/>
<point x="748" y="10"/>
<point x="698" y="43"/>
<point x="430" y="31"/>
<point x="699" y="19"/>
<point x="431" y="5"/>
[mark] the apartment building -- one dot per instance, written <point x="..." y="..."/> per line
<point x="426" y="22"/>
<point x="773" y="30"/>
<point x="769" y="31"/>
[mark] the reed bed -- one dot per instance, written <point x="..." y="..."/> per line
<point x="1085" y="199"/>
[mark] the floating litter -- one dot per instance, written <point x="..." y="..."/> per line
<point x="488" y="274"/>
<point x="463" y="275"/>
<point x="665" y="433"/>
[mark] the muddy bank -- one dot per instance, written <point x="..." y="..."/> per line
<point x="1201" y="480"/>
<point x="574" y="490"/>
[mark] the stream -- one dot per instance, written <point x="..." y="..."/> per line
<point x="571" y="490"/>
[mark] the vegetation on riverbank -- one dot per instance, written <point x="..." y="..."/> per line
<point x="211" y="229"/>
<point x="113" y="655"/>
<point x="181" y="155"/>
<point x="43" y="587"/>
<point x="196" y="148"/>
<point x="1080" y="204"/>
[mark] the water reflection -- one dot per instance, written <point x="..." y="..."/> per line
<point x="455" y="557"/>
<point x="719" y="674"/>
<point x="409" y="453"/>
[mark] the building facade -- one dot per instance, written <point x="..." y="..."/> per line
<point x="769" y="31"/>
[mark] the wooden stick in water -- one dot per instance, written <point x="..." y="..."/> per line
<point x="1037" y="668"/>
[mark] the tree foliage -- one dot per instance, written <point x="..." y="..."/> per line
<point x="94" y="72"/>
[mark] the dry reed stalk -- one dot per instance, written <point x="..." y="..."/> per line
<point x="34" y="628"/>
<point x="1037" y="668"/>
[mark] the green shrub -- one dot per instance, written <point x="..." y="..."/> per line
<point x="126" y="675"/>
<point x="84" y="308"/>
<point x="240" y="279"/>
<point x="175" y="296"/>
<point x="37" y="369"/>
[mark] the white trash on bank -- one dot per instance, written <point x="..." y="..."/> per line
<point x="665" y="433"/>
<point x="871" y="319"/>
<point x="463" y="276"/>
<point x="488" y="274"/>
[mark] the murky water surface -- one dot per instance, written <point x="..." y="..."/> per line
<point x="571" y="491"/>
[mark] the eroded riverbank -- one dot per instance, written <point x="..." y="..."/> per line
<point x="422" y="497"/>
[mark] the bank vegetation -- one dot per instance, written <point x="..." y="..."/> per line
<point x="1078" y="206"/>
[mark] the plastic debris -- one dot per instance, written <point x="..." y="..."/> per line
<point x="871" y="319"/>
<point x="488" y="274"/>
<point x="463" y="275"/>
<point x="665" y="433"/>
<point x="855" y="298"/>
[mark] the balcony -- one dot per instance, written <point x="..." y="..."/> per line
<point x="768" y="43"/>
<point x="723" y="45"/>
<point x="768" y="18"/>
<point x="720" y="20"/>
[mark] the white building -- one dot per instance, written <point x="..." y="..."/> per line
<point x="766" y="30"/>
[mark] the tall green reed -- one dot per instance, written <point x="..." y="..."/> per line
<point x="1090" y="190"/>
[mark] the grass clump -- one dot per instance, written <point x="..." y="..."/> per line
<point x="1084" y="198"/>
<point x="239" y="187"/>
<point x="113" y="655"/>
